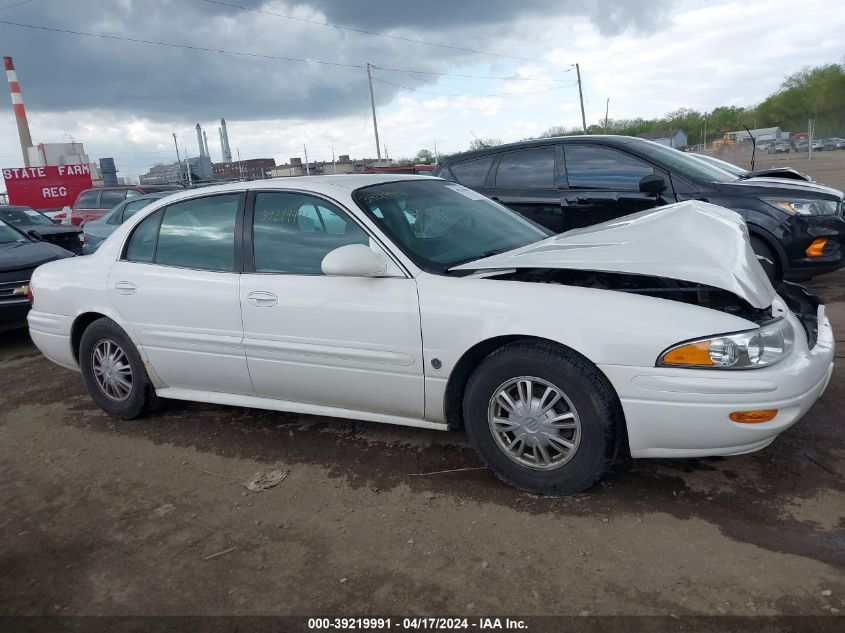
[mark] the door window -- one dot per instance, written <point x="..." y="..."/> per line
<point x="199" y="233"/>
<point x="527" y="169"/>
<point x="88" y="200"/>
<point x="142" y="244"/>
<point x="590" y="167"/>
<point x="473" y="173"/>
<point x="111" y="198"/>
<point x="292" y="232"/>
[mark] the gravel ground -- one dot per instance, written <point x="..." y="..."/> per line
<point x="151" y="516"/>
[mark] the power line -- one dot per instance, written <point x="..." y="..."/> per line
<point x="254" y="55"/>
<point x="475" y="92"/>
<point x="172" y="45"/>
<point x="492" y="107"/>
<point x="428" y="72"/>
<point x="376" y="34"/>
<point x="15" y="4"/>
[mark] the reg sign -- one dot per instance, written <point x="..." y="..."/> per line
<point x="46" y="187"/>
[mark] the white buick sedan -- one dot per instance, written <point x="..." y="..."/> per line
<point x="416" y="301"/>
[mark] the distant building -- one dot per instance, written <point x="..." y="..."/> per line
<point x="672" y="138"/>
<point x="176" y="173"/>
<point x="251" y="169"/>
<point x="56" y="154"/>
<point x="343" y="164"/>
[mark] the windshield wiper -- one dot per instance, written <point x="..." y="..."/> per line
<point x="461" y="262"/>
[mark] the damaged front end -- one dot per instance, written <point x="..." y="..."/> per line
<point x="659" y="287"/>
<point x="802" y="303"/>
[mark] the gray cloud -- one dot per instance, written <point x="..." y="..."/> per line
<point x="62" y="72"/>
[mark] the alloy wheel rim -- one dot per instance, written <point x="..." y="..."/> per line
<point x="534" y="423"/>
<point x="112" y="370"/>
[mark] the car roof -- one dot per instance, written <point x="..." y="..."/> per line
<point x="327" y="185"/>
<point x="604" y="139"/>
<point x="16" y="207"/>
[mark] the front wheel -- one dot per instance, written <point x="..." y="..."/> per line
<point x="113" y="371"/>
<point x="767" y="258"/>
<point x="542" y="418"/>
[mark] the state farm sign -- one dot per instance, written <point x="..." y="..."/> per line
<point x="46" y="187"/>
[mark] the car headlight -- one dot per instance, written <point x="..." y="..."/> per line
<point x="751" y="349"/>
<point x="805" y="207"/>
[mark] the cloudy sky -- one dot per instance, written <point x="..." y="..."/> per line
<point x="444" y="70"/>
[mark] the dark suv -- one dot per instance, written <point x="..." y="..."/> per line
<point x="796" y="228"/>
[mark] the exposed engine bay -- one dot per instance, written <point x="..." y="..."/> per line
<point x="800" y="301"/>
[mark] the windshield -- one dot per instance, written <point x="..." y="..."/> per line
<point x="686" y="165"/>
<point x="22" y="216"/>
<point x="441" y="224"/>
<point x="8" y="235"/>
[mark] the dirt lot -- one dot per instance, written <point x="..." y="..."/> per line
<point x="828" y="168"/>
<point x="107" y="517"/>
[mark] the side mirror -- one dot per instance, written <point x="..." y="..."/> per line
<point x="354" y="260"/>
<point x="654" y="185"/>
<point x="57" y="221"/>
<point x="35" y="235"/>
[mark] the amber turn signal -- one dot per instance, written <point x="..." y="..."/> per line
<point x="816" y="248"/>
<point x="754" y="417"/>
<point x="689" y="354"/>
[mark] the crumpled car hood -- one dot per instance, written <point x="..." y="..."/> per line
<point x="690" y="241"/>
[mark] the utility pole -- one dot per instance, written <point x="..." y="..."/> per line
<point x="178" y="158"/>
<point x="436" y="156"/>
<point x="334" y="164"/>
<point x="307" y="168"/>
<point x="606" y="110"/>
<point x="704" y="137"/>
<point x="373" y="104"/>
<point x="810" y="135"/>
<point x="580" y="96"/>
<point x="240" y="164"/>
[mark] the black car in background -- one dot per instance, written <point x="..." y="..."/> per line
<point x="27" y="219"/>
<point x="796" y="228"/>
<point x="20" y="254"/>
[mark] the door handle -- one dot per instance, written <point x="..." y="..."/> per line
<point x="125" y="287"/>
<point x="261" y="299"/>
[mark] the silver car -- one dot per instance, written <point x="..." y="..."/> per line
<point x="96" y="231"/>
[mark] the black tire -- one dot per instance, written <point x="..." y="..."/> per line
<point x="767" y="258"/>
<point x="141" y="397"/>
<point x="598" y="409"/>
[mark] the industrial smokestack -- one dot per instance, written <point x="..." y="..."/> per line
<point x="20" y="112"/>
<point x="199" y="140"/>
<point x="205" y="144"/>
<point x="224" y="136"/>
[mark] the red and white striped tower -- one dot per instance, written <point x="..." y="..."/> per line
<point x="20" y="111"/>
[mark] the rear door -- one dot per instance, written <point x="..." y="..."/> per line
<point x="177" y="286"/>
<point x="527" y="181"/>
<point x="604" y="184"/>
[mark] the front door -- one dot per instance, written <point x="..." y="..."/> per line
<point x="352" y="343"/>
<point x="604" y="184"/>
<point x="177" y="286"/>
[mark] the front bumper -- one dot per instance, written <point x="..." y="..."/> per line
<point x="684" y="412"/>
<point x="801" y="233"/>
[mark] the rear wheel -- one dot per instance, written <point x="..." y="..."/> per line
<point x="542" y="418"/>
<point x="113" y="371"/>
<point x="767" y="258"/>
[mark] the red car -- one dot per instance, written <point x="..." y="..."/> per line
<point x="92" y="204"/>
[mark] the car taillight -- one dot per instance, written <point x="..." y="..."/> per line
<point x="30" y="295"/>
